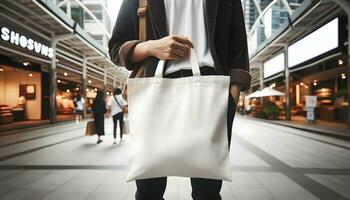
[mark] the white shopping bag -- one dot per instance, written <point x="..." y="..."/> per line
<point x="126" y="124"/>
<point x="178" y="127"/>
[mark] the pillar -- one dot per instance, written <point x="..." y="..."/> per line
<point x="261" y="66"/>
<point x="69" y="9"/>
<point x="348" y="73"/>
<point x="347" y="8"/>
<point x="287" y="83"/>
<point x="84" y="83"/>
<point x="53" y="85"/>
<point x="105" y="80"/>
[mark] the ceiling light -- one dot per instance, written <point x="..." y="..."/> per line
<point x="107" y="93"/>
<point x="343" y="76"/>
<point x="89" y="81"/>
<point x="77" y="88"/>
<point x="30" y="75"/>
<point x="65" y="74"/>
<point x="26" y="63"/>
<point x="58" y="81"/>
<point x="95" y="89"/>
<point x="340" y="61"/>
<point x="315" y="83"/>
<point x="68" y="90"/>
<point x="87" y="90"/>
<point x="1" y="69"/>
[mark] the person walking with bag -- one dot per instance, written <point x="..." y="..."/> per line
<point x="98" y="112"/>
<point x="153" y="30"/>
<point x="117" y="105"/>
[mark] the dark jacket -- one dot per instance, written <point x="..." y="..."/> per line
<point x="98" y="111"/>
<point x="226" y="36"/>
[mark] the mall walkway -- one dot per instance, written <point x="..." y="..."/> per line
<point x="269" y="162"/>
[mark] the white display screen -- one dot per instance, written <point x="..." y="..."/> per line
<point x="274" y="65"/>
<point x="318" y="42"/>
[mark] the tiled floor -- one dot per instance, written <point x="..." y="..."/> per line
<point x="269" y="162"/>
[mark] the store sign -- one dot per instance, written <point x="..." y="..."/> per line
<point x="274" y="65"/>
<point x="317" y="43"/>
<point x="17" y="39"/>
<point x="311" y="101"/>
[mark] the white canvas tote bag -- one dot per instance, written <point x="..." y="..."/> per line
<point x="178" y="127"/>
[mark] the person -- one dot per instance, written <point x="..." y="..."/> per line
<point x="79" y="108"/>
<point x="117" y="105"/>
<point x="216" y="31"/>
<point x="99" y="111"/>
<point x="248" y="108"/>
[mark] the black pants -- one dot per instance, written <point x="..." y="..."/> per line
<point x="118" y="117"/>
<point x="202" y="189"/>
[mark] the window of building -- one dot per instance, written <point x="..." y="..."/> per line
<point x="77" y="16"/>
<point x="97" y="13"/>
<point x="98" y="38"/>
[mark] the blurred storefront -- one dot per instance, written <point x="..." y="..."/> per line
<point x="312" y="62"/>
<point x="22" y="92"/>
<point x="45" y="63"/>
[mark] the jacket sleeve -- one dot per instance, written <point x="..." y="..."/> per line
<point x="238" y="53"/>
<point x="124" y="37"/>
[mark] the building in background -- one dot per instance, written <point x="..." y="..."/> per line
<point x="91" y="15"/>
<point x="272" y="18"/>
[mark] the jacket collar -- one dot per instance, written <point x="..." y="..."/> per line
<point x="158" y="11"/>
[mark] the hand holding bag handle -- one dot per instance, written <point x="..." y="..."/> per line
<point x="193" y="62"/>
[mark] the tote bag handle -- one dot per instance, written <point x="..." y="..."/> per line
<point x="193" y="62"/>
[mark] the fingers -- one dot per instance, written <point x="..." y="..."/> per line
<point x="173" y="57"/>
<point x="179" y="46"/>
<point x="175" y="47"/>
<point x="178" y="52"/>
<point x="179" y="49"/>
<point x="183" y="40"/>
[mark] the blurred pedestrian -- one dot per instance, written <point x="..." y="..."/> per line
<point x="99" y="111"/>
<point x="215" y="28"/>
<point x="79" y="108"/>
<point x="248" y="108"/>
<point x="117" y="105"/>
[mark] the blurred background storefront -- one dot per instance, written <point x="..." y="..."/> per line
<point x="300" y="49"/>
<point x="51" y="52"/>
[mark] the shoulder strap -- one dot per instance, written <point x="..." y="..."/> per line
<point x="141" y="12"/>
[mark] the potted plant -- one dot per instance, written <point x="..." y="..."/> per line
<point x="271" y="110"/>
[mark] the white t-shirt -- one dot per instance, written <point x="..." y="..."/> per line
<point x="80" y="104"/>
<point x="186" y="17"/>
<point x="115" y="106"/>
